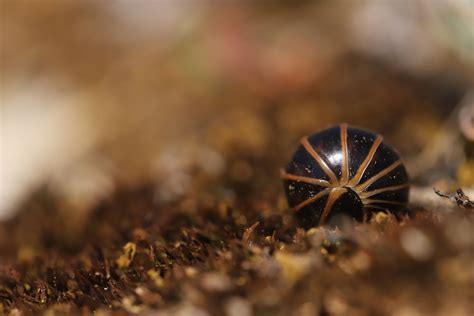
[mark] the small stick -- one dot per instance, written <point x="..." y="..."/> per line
<point x="460" y="198"/>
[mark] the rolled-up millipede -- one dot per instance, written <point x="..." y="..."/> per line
<point x="341" y="171"/>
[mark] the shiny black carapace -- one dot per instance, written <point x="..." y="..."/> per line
<point x="344" y="171"/>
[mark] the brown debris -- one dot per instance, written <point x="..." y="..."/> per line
<point x="459" y="198"/>
<point x="205" y="230"/>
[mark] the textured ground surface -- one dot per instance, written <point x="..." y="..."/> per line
<point x="230" y="246"/>
<point x="241" y="258"/>
<point x="173" y="204"/>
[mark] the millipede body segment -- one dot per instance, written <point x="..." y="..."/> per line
<point x="347" y="171"/>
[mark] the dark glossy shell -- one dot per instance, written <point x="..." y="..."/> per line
<point x="344" y="171"/>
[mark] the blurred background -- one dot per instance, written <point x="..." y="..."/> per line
<point x="98" y="95"/>
<point x="141" y="142"/>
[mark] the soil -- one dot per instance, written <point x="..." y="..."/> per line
<point x="231" y="247"/>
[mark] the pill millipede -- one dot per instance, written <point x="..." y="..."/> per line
<point x="344" y="171"/>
